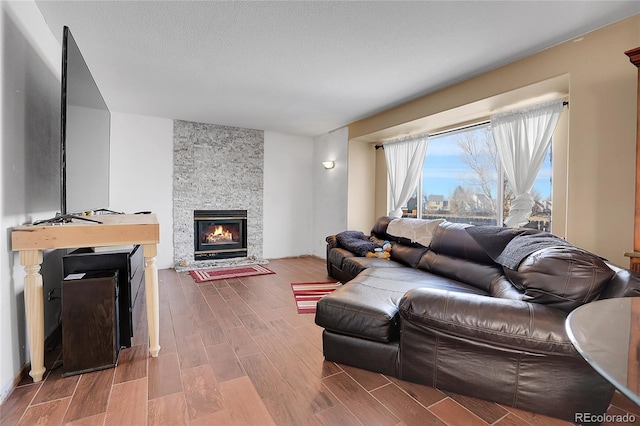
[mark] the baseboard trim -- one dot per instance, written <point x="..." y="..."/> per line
<point x="302" y="256"/>
<point x="23" y="373"/>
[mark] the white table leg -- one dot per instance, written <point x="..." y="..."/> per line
<point x="34" y="310"/>
<point x="153" y="304"/>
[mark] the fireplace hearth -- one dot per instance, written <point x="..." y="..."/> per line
<point x="219" y="234"/>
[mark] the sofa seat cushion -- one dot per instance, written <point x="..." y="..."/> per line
<point x="355" y="265"/>
<point x="367" y="306"/>
<point x="511" y="324"/>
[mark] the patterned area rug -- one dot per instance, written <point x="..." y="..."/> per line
<point x="308" y="294"/>
<point x="204" y="275"/>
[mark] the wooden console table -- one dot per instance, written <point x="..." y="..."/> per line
<point x="114" y="230"/>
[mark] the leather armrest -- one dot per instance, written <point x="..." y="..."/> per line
<point x="625" y="283"/>
<point x="332" y="242"/>
<point x="500" y="322"/>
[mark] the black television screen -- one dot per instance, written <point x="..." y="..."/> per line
<point x="85" y="133"/>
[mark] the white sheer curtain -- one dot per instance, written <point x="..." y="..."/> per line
<point x="404" y="158"/>
<point x="522" y="138"/>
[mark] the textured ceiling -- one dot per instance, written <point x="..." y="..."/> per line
<point x="305" y="67"/>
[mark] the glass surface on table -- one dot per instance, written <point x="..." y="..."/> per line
<point x="607" y="335"/>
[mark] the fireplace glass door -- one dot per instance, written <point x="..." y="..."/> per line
<point x="220" y="234"/>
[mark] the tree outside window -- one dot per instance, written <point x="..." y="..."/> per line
<point x="460" y="182"/>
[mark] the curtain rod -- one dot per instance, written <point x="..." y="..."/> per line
<point x="445" y="132"/>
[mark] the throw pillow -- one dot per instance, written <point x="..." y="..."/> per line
<point x="356" y="242"/>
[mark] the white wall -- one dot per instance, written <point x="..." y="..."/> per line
<point x="288" y="195"/>
<point x="29" y="166"/>
<point x="142" y="173"/>
<point x="329" y="188"/>
<point x="142" y="148"/>
<point x="288" y="183"/>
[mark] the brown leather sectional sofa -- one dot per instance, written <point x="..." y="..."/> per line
<point x="450" y="316"/>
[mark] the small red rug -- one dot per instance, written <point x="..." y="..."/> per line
<point x="203" y="275"/>
<point x="308" y="294"/>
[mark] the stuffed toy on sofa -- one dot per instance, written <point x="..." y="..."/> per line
<point x="381" y="253"/>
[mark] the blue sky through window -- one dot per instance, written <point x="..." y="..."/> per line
<point x="443" y="169"/>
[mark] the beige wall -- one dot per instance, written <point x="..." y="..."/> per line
<point x="362" y="171"/>
<point x="368" y="176"/>
<point x="381" y="195"/>
<point x="595" y="177"/>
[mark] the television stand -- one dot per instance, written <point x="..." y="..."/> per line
<point x="64" y="218"/>
<point x="119" y="229"/>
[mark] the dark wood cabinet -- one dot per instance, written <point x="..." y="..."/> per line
<point x="90" y="334"/>
<point x="130" y="266"/>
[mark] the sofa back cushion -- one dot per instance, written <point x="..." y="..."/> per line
<point x="379" y="229"/>
<point x="562" y="277"/>
<point x="408" y="255"/>
<point x="455" y="254"/>
<point x="412" y="231"/>
<point x="452" y="239"/>
<point x="403" y="249"/>
<point x="479" y="275"/>
<point x="502" y="288"/>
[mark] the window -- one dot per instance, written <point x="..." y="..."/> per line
<point x="460" y="182"/>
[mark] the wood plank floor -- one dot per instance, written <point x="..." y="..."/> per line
<point x="236" y="352"/>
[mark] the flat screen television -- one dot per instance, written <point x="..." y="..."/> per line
<point x="85" y="135"/>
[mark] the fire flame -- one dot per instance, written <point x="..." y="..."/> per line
<point x="219" y="234"/>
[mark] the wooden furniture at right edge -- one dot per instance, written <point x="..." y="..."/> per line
<point x="634" y="57"/>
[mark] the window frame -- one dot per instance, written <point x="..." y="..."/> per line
<point x="501" y="176"/>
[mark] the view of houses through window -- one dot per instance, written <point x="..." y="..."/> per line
<point x="462" y="181"/>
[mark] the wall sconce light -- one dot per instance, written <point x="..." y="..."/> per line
<point x="328" y="164"/>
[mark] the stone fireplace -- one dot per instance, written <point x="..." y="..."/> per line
<point x="219" y="234"/>
<point x="217" y="168"/>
